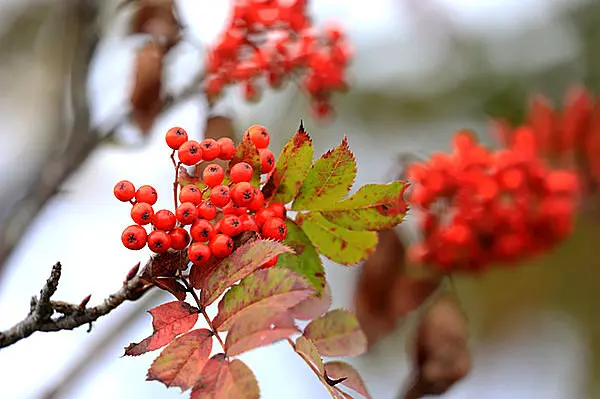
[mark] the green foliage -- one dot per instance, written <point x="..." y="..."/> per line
<point x="339" y="244"/>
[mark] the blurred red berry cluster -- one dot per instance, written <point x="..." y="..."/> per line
<point x="205" y="220"/>
<point x="275" y="39"/>
<point x="567" y="137"/>
<point x="478" y="207"/>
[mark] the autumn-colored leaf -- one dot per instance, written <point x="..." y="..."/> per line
<point x="337" y="333"/>
<point x="314" y="306"/>
<point x="273" y="288"/>
<point x="247" y="152"/>
<point x="207" y="385"/>
<point x="340" y="370"/>
<point x="237" y="382"/>
<point x="372" y="207"/>
<point x="442" y="356"/>
<point x="328" y="180"/>
<point x="185" y="178"/>
<point x="305" y="260"/>
<point x="180" y="363"/>
<point x="168" y="320"/>
<point x="162" y="271"/>
<point x="238" y="265"/>
<point x="291" y="168"/>
<point x="306" y="349"/>
<point x="542" y="119"/>
<point x="200" y="273"/>
<point x="339" y="244"/>
<point x="260" y="327"/>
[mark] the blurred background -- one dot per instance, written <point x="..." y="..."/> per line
<point x="422" y="70"/>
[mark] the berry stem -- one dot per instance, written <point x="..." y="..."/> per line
<point x="176" y="181"/>
<point x="189" y="288"/>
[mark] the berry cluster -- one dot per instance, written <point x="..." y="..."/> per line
<point x="205" y="220"/>
<point x="267" y="38"/>
<point x="480" y="207"/>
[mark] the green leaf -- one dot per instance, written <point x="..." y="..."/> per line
<point x="238" y="265"/>
<point x="337" y="333"/>
<point x="272" y="288"/>
<point x="339" y="244"/>
<point x="305" y="260"/>
<point x="247" y="152"/>
<point x="180" y="363"/>
<point x="342" y="370"/>
<point x="260" y="327"/>
<point x="373" y="207"/>
<point x="329" y="179"/>
<point x="290" y="171"/>
<point x="306" y="349"/>
<point x="313" y="306"/>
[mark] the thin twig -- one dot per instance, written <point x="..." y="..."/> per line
<point x="73" y="316"/>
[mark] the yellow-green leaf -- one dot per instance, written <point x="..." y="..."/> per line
<point x="329" y="179"/>
<point x="291" y="168"/>
<point x="373" y="207"/>
<point x="339" y="244"/>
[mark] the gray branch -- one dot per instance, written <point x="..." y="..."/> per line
<point x="40" y="317"/>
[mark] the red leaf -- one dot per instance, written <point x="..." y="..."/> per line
<point x="207" y="384"/>
<point x="168" y="320"/>
<point x="258" y="328"/>
<point x="237" y="381"/>
<point x="313" y="306"/>
<point x="162" y="272"/>
<point x="338" y="370"/>
<point x="308" y="351"/>
<point x="542" y="119"/>
<point x="275" y="288"/>
<point x="180" y="362"/>
<point x="199" y="273"/>
<point x="337" y="333"/>
<point x="243" y="261"/>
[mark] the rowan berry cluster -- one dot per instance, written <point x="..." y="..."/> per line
<point x="266" y="38"/>
<point x="207" y="218"/>
<point x="480" y="207"/>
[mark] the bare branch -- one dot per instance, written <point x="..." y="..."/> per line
<point x="72" y="316"/>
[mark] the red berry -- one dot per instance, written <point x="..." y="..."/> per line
<point x="206" y="210"/>
<point x="231" y="225"/>
<point x="213" y="175"/>
<point x="263" y="215"/>
<point x="180" y="238"/>
<point x="159" y="241"/>
<point x="186" y="213"/>
<point x="201" y="230"/>
<point x="259" y="135"/>
<point x="124" y="190"/>
<point x="146" y="194"/>
<point x="227" y="148"/>
<point x="190" y="153"/>
<point x="270" y="263"/>
<point x="199" y="253"/>
<point x="134" y="237"/>
<point x="274" y="228"/>
<point x="242" y="193"/>
<point x="240" y="172"/>
<point x="233" y="209"/>
<point x="248" y="223"/>
<point x="190" y="193"/>
<point x="267" y="160"/>
<point x="142" y="213"/>
<point x="219" y="195"/>
<point x="258" y="200"/>
<point x="164" y="220"/>
<point x="221" y="245"/>
<point x="210" y="149"/>
<point x="278" y="208"/>
<point x="217" y="228"/>
<point x="175" y="137"/>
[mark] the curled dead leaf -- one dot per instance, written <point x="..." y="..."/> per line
<point x="441" y="356"/>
